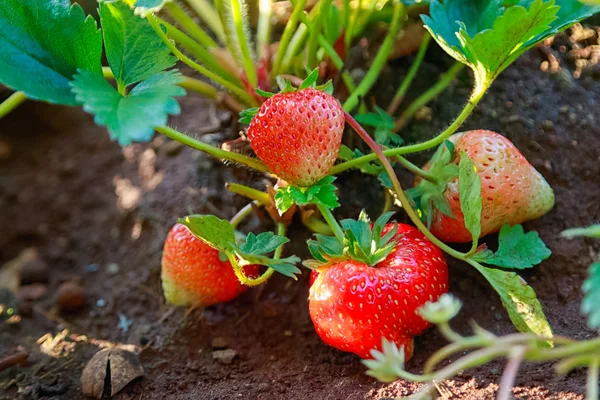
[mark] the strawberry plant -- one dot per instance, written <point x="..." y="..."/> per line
<point x="370" y="278"/>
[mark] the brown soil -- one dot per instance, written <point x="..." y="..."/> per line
<point x="82" y="201"/>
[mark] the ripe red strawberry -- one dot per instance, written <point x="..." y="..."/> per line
<point x="298" y="134"/>
<point x="354" y="305"/>
<point x="193" y="273"/>
<point x="512" y="190"/>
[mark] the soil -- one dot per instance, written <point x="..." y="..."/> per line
<point x="97" y="214"/>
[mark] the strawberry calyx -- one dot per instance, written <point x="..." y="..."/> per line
<point x="363" y="242"/>
<point x="428" y="196"/>
<point x="285" y="86"/>
<point x="253" y="249"/>
<point x="321" y="193"/>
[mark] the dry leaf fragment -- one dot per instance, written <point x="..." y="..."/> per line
<point x="110" y="370"/>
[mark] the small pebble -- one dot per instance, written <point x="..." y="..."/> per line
<point x="70" y="297"/>
<point x="548" y="125"/>
<point x="224" y="356"/>
<point x="34" y="271"/>
<point x="5" y="150"/>
<point x="564" y="109"/>
<point x="92" y="268"/>
<point x="219" y="343"/>
<point x="100" y="303"/>
<point x="112" y="268"/>
<point x="288" y="333"/>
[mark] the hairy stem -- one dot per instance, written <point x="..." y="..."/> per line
<point x="331" y="221"/>
<point x="416" y="170"/>
<point x="188" y="23"/>
<point x="287" y="35"/>
<point x="247" y="61"/>
<point x="13" y="101"/>
<point x="414" y="148"/>
<point x="452" y="348"/>
<point x="243" y="213"/>
<point x="209" y="16"/>
<point x="410" y="76"/>
<point x="263" y="30"/>
<point x="379" y="61"/>
<point x="213" y="151"/>
<point x="428" y="95"/>
<point x="510" y="373"/>
<point x="238" y="92"/>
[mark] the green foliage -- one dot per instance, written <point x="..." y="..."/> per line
<point x="42" y="45"/>
<point x="247" y="115"/>
<point x="361" y="242"/>
<point x="516" y="249"/>
<point x="429" y="196"/>
<point x="489" y="37"/>
<point x="387" y="364"/>
<point x="383" y="124"/>
<point x="322" y="192"/>
<point x="215" y="232"/>
<point x="264" y="243"/>
<point x="130" y="117"/>
<point x="591" y="231"/>
<point x="591" y="299"/>
<point x="519" y="299"/>
<point x="133" y="49"/>
<point x="469" y="189"/>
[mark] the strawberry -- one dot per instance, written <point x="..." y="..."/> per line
<point x="512" y="190"/>
<point x="193" y="273"/>
<point x="355" y="303"/>
<point x="298" y="134"/>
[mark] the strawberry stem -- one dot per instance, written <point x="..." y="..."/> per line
<point x="243" y="213"/>
<point x="416" y="170"/>
<point x="410" y="76"/>
<point x="414" y="148"/>
<point x="213" y="151"/>
<point x="12" y="102"/>
<point x="261" y="198"/>
<point x="592" y="381"/>
<point x="332" y="222"/>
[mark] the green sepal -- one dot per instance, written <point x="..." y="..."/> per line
<point x="321" y="193"/>
<point x="310" y="80"/>
<point x="469" y="190"/>
<point x="263" y="93"/>
<point x="285" y="86"/>
<point x="327" y="87"/>
<point x="247" y="115"/>
<point x="516" y="249"/>
<point x="429" y="196"/>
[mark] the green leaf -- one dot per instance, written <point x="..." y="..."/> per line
<point x="322" y="192"/>
<point x="217" y="233"/>
<point x="247" y="115"/>
<point x="469" y="189"/>
<point x="383" y="124"/>
<point x="285" y="266"/>
<point x="132" y="117"/>
<point x="591" y="231"/>
<point x="143" y="7"/>
<point x="310" y="80"/>
<point x="516" y="249"/>
<point x="133" y="49"/>
<point x="387" y="365"/>
<point x="332" y="26"/>
<point x="262" y="93"/>
<point x="519" y="300"/>
<point x="489" y="37"/>
<point x="42" y="45"/>
<point x="591" y="299"/>
<point x="264" y="243"/>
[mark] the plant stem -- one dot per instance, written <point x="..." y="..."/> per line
<point x="389" y="200"/>
<point x="592" y="381"/>
<point x="510" y="373"/>
<point x="313" y="40"/>
<point x="380" y="60"/>
<point x="213" y="151"/>
<point x="263" y="30"/>
<point x="243" y="213"/>
<point x="350" y="25"/>
<point x="398" y="188"/>
<point x="416" y="170"/>
<point x="428" y="95"/>
<point x="287" y="35"/>
<point x="209" y="15"/>
<point x="13" y="101"/>
<point x="298" y="39"/>
<point x="410" y="76"/>
<point x="414" y="148"/>
<point x="242" y="41"/>
<point x="316" y="225"/>
<point x="238" y="92"/>
<point x="197" y="33"/>
<point x="251" y="193"/>
<point x="201" y="54"/>
<point x="230" y="37"/>
<point x="452" y="348"/>
<point x="331" y="221"/>
<point x="239" y="272"/>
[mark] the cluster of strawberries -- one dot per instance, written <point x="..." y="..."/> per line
<point x="355" y="301"/>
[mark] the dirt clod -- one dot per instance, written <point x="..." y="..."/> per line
<point x="34" y="271"/>
<point x="219" y="343"/>
<point x="110" y="370"/>
<point x="70" y="297"/>
<point x="224" y="356"/>
<point x="32" y="292"/>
